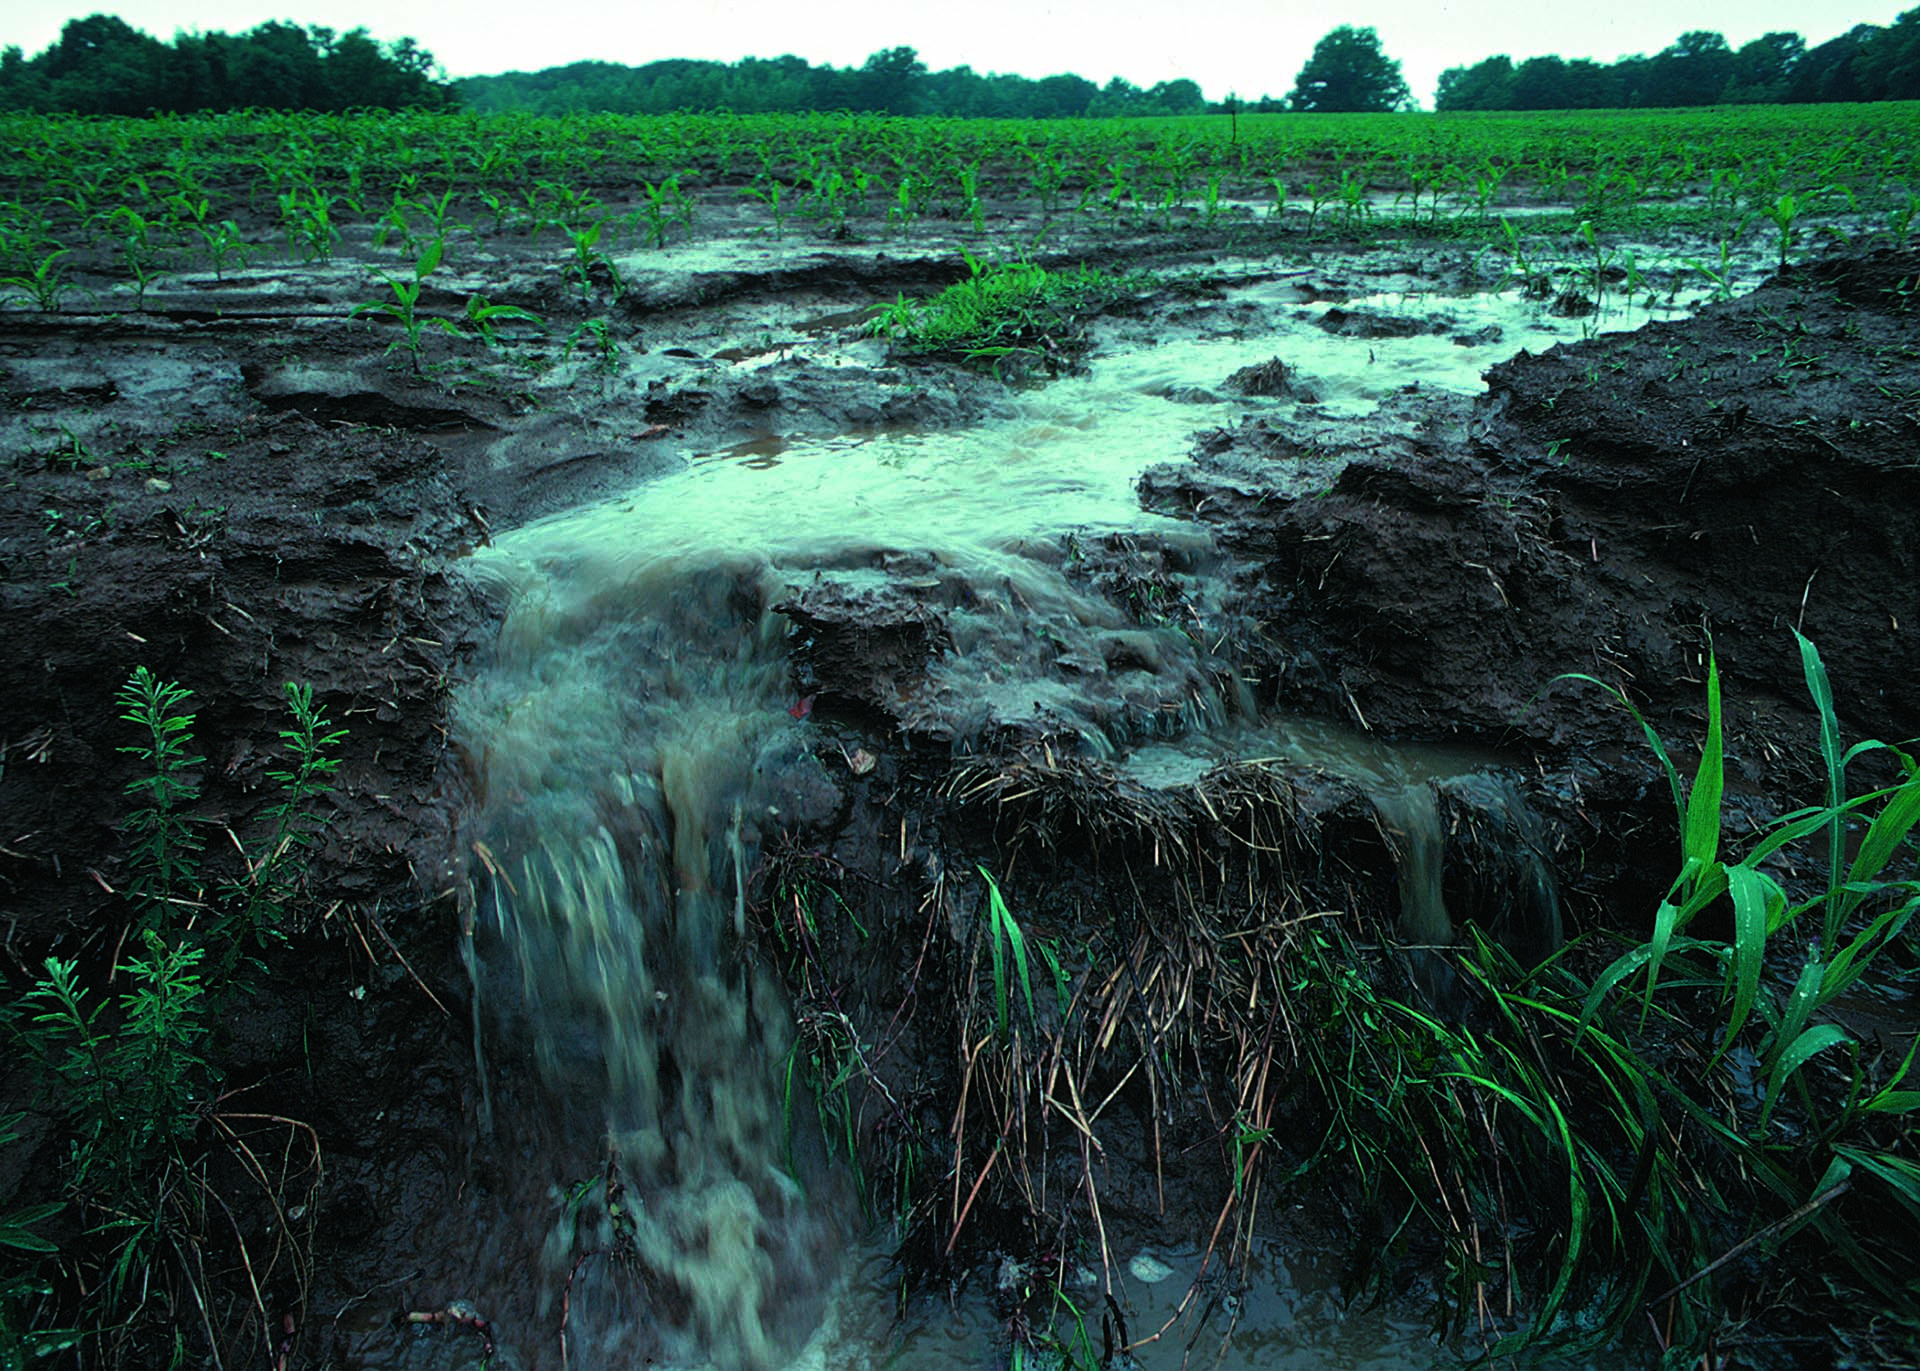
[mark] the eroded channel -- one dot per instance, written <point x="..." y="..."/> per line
<point x="636" y="740"/>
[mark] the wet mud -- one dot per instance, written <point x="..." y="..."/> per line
<point x="237" y="486"/>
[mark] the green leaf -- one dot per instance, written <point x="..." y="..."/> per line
<point x="1701" y="840"/>
<point x="1889" y="830"/>
<point x="1753" y="895"/>
<point x="1816" y="1039"/>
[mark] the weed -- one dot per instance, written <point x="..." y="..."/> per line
<point x="129" y="1074"/>
<point x="1021" y="313"/>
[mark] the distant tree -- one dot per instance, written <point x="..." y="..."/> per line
<point x="1763" y="69"/>
<point x="1176" y="97"/>
<point x="1118" y="97"/>
<point x="1887" y="66"/>
<point x="1065" y="96"/>
<point x="102" y="65"/>
<point x="1539" y="83"/>
<point x="1826" y="73"/>
<point x="1348" y="73"/>
<point x="1484" y="85"/>
<point x="887" y="81"/>
<point x="1695" y="70"/>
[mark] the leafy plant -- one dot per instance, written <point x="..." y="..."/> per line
<point x="129" y="1074"/>
<point x="165" y="856"/>
<point x="404" y="307"/>
<point x="483" y="316"/>
<point x="1008" y="947"/>
<point x="587" y="256"/>
<point x="999" y="312"/>
<point x="45" y="284"/>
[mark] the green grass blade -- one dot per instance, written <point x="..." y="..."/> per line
<point x="1816" y="1039"/>
<point x="1653" y="738"/>
<point x="1890" y="1099"/>
<point x="1753" y="896"/>
<point x="1701" y="842"/>
<point x="1889" y="830"/>
<point x="1901" y="1174"/>
<point x="1853" y="960"/>
<point x="1821" y="689"/>
<point x="1800" y="1006"/>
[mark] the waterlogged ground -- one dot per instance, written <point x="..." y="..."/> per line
<point x="685" y="589"/>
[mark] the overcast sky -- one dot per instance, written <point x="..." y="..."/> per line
<point x="1251" y="47"/>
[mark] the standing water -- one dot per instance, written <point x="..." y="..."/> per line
<point x="634" y="738"/>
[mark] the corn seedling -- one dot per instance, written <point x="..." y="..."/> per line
<point x="483" y="316"/>
<point x="45" y="284"/>
<point x="306" y="220"/>
<point x="587" y="256"/>
<point x="769" y="193"/>
<point x="404" y="308"/>
<point x="137" y="252"/>
<point x="595" y="334"/>
<point x="664" y="205"/>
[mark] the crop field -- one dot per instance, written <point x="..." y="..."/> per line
<point x="713" y="739"/>
<point x="207" y="193"/>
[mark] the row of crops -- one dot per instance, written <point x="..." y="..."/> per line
<point x="219" y="188"/>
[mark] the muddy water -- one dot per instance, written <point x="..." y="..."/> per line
<point x="634" y="737"/>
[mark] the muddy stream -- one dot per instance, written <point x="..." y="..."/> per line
<point x="637" y="735"/>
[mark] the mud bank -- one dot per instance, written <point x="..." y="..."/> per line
<point x="246" y="493"/>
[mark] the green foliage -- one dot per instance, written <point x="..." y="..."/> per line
<point x="1584" y="1116"/>
<point x="165" y="857"/>
<point x="20" y="1341"/>
<point x="45" y="284"/>
<point x="101" y="65"/>
<point x="1002" y="312"/>
<point x="1008" y="947"/>
<point x="404" y="307"/>
<point x="1348" y="73"/>
<point x="128" y="1074"/>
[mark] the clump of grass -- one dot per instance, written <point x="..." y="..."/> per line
<point x="1017" y="315"/>
<point x="1678" y="1140"/>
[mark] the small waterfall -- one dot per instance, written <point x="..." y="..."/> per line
<point x="630" y="742"/>
<point x="628" y="719"/>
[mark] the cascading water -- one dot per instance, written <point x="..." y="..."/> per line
<point x="633" y="737"/>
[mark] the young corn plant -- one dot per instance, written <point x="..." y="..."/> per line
<point x="483" y="316"/>
<point x="404" y="308"/>
<point x="587" y="256"/>
<point x="137" y="250"/>
<point x="306" y="220"/>
<point x="45" y="284"/>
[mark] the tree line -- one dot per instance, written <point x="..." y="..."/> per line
<point x="1701" y="68"/>
<point x="891" y="81"/>
<point x="102" y="65"/>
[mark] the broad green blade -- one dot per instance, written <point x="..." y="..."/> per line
<point x="1816" y="1039"/>
<point x="1702" y="834"/>
<point x="1753" y="895"/>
